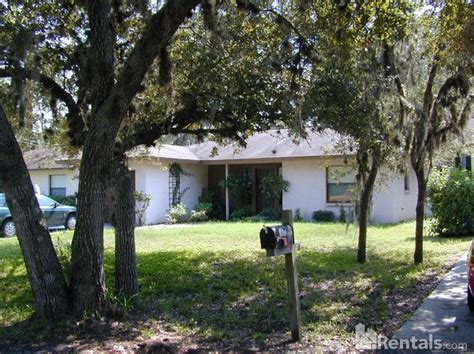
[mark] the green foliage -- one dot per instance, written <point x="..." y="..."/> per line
<point x="342" y="214"/>
<point x="240" y="187"/>
<point x="269" y="214"/>
<point x="207" y="207"/>
<point x="67" y="200"/>
<point x="142" y="202"/>
<point x="297" y="217"/>
<point x="201" y="213"/>
<point x="198" y="216"/>
<point x="451" y="193"/>
<point x="63" y="250"/>
<point x="272" y="186"/>
<point x="239" y="214"/>
<point x="206" y="196"/>
<point x="176" y="171"/>
<point x="178" y="214"/>
<point x="324" y="216"/>
<point x="221" y="263"/>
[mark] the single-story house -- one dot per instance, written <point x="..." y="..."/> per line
<point x="319" y="177"/>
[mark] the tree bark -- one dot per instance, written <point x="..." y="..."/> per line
<point x="420" y="214"/>
<point x="365" y="199"/>
<point x="44" y="270"/>
<point x="87" y="264"/>
<point x="126" y="278"/>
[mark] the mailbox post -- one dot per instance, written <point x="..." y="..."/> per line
<point x="280" y="240"/>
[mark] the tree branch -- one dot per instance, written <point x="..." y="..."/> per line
<point x="158" y="31"/>
<point x="74" y="116"/>
<point x="428" y="95"/>
<point x="101" y="52"/>
<point x="392" y="71"/>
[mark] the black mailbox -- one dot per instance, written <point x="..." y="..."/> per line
<point x="278" y="236"/>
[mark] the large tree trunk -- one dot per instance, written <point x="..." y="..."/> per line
<point x="87" y="262"/>
<point x="420" y="214"/>
<point x="365" y="199"/>
<point x="109" y="107"/>
<point x="44" y="270"/>
<point x="126" y="278"/>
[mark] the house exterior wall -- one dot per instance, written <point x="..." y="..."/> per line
<point x="307" y="188"/>
<point x="307" y="192"/>
<point x="153" y="178"/>
<point x="196" y="178"/>
<point x="42" y="179"/>
<point x="391" y="202"/>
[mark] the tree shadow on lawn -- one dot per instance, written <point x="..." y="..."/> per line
<point x="233" y="302"/>
<point x="222" y="300"/>
<point x="442" y="239"/>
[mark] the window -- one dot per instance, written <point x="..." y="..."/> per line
<point x="57" y="185"/>
<point x="340" y="184"/>
<point x="406" y="182"/>
<point x="2" y="200"/>
<point x="466" y="162"/>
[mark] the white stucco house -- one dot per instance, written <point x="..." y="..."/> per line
<point x="319" y="178"/>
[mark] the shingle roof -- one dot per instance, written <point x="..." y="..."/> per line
<point x="165" y="152"/>
<point x="273" y="144"/>
<point x="270" y="145"/>
<point x="46" y="159"/>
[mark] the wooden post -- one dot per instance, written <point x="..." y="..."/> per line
<point x="292" y="278"/>
<point x="227" y="213"/>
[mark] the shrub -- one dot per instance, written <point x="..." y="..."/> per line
<point x="66" y="200"/>
<point x="452" y="201"/>
<point x="272" y="186"/>
<point x="238" y="214"/>
<point x="240" y="187"/>
<point x="342" y="214"/>
<point x="206" y="207"/>
<point x="206" y="196"/>
<point x="201" y="213"/>
<point x="198" y="216"/>
<point x="142" y="202"/>
<point x="297" y="216"/>
<point x="177" y="214"/>
<point x="269" y="214"/>
<point x="324" y="215"/>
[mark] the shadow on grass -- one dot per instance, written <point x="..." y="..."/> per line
<point x="234" y="300"/>
<point x="441" y="239"/>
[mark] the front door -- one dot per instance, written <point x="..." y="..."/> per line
<point x="260" y="201"/>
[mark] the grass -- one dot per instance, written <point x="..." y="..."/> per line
<point x="213" y="282"/>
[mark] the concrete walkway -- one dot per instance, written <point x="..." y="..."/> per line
<point x="444" y="314"/>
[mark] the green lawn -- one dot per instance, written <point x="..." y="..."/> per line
<point x="213" y="282"/>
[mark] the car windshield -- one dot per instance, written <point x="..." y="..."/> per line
<point x="2" y="200"/>
<point x="44" y="201"/>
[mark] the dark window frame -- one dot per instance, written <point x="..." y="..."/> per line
<point x="348" y="201"/>
<point x="55" y="189"/>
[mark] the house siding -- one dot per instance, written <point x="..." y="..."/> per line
<point x="195" y="179"/>
<point x="307" y="189"/>
<point x="42" y="179"/>
<point x="391" y="203"/>
<point x="307" y="192"/>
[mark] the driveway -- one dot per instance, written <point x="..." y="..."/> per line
<point x="444" y="314"/>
